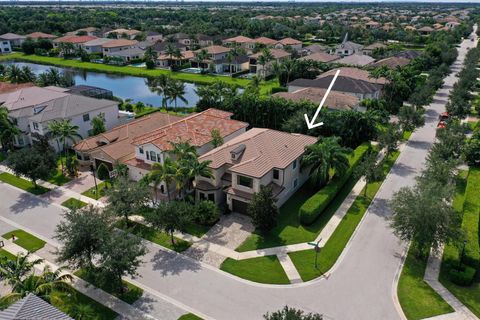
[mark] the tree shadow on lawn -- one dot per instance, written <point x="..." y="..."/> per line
<point x="170" y="263"/>
<point x="26" y="201"/>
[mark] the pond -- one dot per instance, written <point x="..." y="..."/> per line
<point x="124" y="87"/>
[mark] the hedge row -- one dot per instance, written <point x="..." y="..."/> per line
<point x="316" y="204"/>
<point x="471" y="216"/>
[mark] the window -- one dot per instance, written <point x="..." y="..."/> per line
<point x="202" y="196"/>
<point x="245" y="181"/>
<point x="86" y="158"/>
<point x="140" y="149"/>
<point x="211" y="197"/>
<point x="35" y="125"/>
<point x="153" y="156"/>
<point x="276" y="174"/>
<point x="148" y="156"/>
<point x="158" y="157"/>
<point x="86" y="117"/>
<point x="294" y="164"/>
<point x="295" y="183"/>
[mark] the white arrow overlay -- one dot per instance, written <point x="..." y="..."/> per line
<point x="310" y="124"/>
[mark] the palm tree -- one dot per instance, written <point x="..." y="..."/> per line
<point x="40" y="285"/>
<point x="8" y="129"/>
<point x="323" y="157"/>
<point x="178" y="55"/>
<point x="12" y="271"/>
<point x="264" y="60"/>
<point x="14" y="74"/>
<point x="162" y="173"/>
<point x="54" y="77"/>
<point x="65" y="132"/>
<point x="183" y="150"/>
<point x="160" y="85"/>
<point x="28" y="75"/>
<point x="235" y="52"/>
<point x="201" y="56"/>
<point x="54" y="131"/>
<point x="170" y="50"/>
<point x="196" y="168"/>
<point x="288" y="67"/>
<point x="176" y="90"/>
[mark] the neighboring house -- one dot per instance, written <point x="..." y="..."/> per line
<point x="41" y="35"/>
<point x="216" y="56"/>
<point x="161" y="47"/>
<point x="368" y="50"/>
<point x="265" y="41"/>
<point x="235" y="64"/>
<point x="32" y="307"/>
<point x="452" y="25"/>
<point x="335" y="100"/>
<point x="372" y="25"/>
<point x="258" y="157"/>
<point x="5" y="46"/>
<point x="426" y="30"/>
<point x="166" y="61"/>
<point x="347" y="48"/>
<point x="89" y="31"/>
<point x="289" y="42"/>
<point x="244" y="42"/>
<point x="128" y="55"/>
<point x="122" y="33"/>
<point x="95" y="46"/>
<point x="357" y="60"/>
<point x="155" y="146"/>
<point x="352" y="81"/>
<point x="315" y="48"/>
<point x="16" y="40"/>
<point x="153" y="36"/>
<point x="33" y="108"/>
<point x="321" y="57"/>
<point x="76" y="41"/>
<point x="391" y="62"/>
<point x="266" y="70"/>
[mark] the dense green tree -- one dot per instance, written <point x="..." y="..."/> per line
<point x="98" y="124"/>
<point x="206" y="212"/>
<point x="411" y="118"/>
<point x="388" y="139"/>
<point x="8" y="129"/>
<point x="263" y="210"/>
<point x="369" y="169"/>
<point x="32" y="164"/>
<point x="288" y="313"/>
<point x="217" y="139"/>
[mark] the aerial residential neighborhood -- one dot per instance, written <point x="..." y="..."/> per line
<point x="289" y="160"/>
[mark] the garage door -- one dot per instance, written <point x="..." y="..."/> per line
<point x="239" y="206"/>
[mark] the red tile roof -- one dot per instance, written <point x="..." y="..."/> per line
<point x="75" y="39"/>
<point x="40" y="35"/>
<point x="265" y="40"/>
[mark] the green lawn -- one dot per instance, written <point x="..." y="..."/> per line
<point x="158" y="237"/>
<point x="417" y="298"/>
<point x="22" y="183"/>
<point x="289" y="229"/>
<point x="59" y="179"/>
<point x="132" y="294"/>
<point x="91" y="193"/>
<point x="263" y="269"/>
<point x="406" y="135"/>
<point x="189" y="316"/>
<point x="25" y="240"/>
<point x="73" y="203"/>
<point x="74" y="301"/>
<point x="8" y="255"/>
<point x="304" y="260"/>
<point x="466" y="200"/>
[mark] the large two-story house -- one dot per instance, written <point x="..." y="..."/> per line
<point x="215" y="58"/>
<point x="258" y="157"/>
<point x="33" y="108"/>
<point x="5" y="45"/>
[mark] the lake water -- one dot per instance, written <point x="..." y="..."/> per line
<point x="124" y="87"/>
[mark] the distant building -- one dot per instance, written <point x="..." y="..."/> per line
<point x="347" y="48"/>
<point x="16" y="40"/>
<point x="5" y="46"/>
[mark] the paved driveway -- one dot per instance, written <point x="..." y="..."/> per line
<point x="361" y="286"/>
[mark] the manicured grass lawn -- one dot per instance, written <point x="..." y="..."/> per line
<point x="304" y="260"/>
<point x="73" y="203"/>
<point x="150" y="234"/>
<point x="464" y="202"/>
<point x="132" y="294"/>
<point x="91" y="193"/>
<point x="189" y="316"/>
<point x="22" y="183"/>
<point x="263" y="269"/>
<point x="417" y="298"/>
<point x="8" y="255"/>
<point x="406" y="135"/>
<point x="71" y="302"/>
<point x="25" y="240"/>
<point x="196" y="229"/>
<point x="59" y="179"/>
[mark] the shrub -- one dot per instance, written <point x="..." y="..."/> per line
<point x="279" y="89"/>
<point x="206" y="213"/>
<point x="462" y="277"/>
<point x="263" y="210"/>
<point x="102" y="172"/>
<point x="316" y="204"/>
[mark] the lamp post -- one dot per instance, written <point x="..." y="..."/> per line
<point x="316" y="247"/>
<point x="462" y="254"/>
<point x="92" y="169"/>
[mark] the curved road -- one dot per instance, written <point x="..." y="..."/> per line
<point x="362" y="285"/>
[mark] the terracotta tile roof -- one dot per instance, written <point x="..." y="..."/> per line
<point x="356" y="60"/>
<point x="186" y="55"/>
<point x="290" y="41"/>
<point x="195" y="129"/>
<point x="40" y="35"/>
<point x="118" y="43"/>
<point x="121" y="31"/>
<point x="138" y="163"/>
<point x="426" y="29"/>
<point x="320" y="57"/>
<point x="354" y="73"/>
<point x="74" y="39"/>
<point x="265" y="40"/>
<point x="263" y="150"/>
<point x="11" y="36"/>
<point x="239" y="39"/>
<point x="6" y="87"/>
<point x="276" y="53"/>
<point x="215" y="49"/>
<point x="374" y="46"/>
<point x="117" y="143"/>
<point x="391" y="62"/>
<point x="335" y="100"/>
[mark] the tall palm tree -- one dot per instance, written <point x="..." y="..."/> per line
<point x="40" y="285"/>
<point x="176" y="90"/>
<point x="8" y="129"/>
<point x="28" y="75"/>
<point x="14" y="74"/>
<point x="235" y="52"/>
<point x="160" y="85"/>
<point x="178" y="55"/>
<point x="65" y="132"/>
<point x="183" y="150"/>
<point x="323" y="157"/>
<point x="195" y="168"/>
<point x="264" y="60"/>
<point x="163" y="173"/>
<point x="13" y="271"/>
<point x="201" y="56"/>
<point x="54" y="132"/>
<point x="170" y="51"/>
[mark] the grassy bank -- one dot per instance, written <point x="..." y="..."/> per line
<point x="303" y="260"/>
<point x="263" y="269"/>
<point x="25" y="240"/>
<point x="22" y="184"/>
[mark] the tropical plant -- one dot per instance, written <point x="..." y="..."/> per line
<point x="288" y="313"/>
<point x="369" y="169"/>
<point x="162" y="172"/>
<point x="264" y="60"/>
<point x="176" y="90"/>
<point x="324" y="157"/>
<point x="160" y="85"/>
<point x="8" y="129"/>
<point x="98" y="124"/>
<point x="217" y="139"/>
<point x="63" y="132"/>
<point x="13" y="271"/>
<point x="263" y="210"/>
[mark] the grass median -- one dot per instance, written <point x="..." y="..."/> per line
<point x="25" y="240"/>
<point x="22" y="184"/>
<point x="262" y="269"/>
<point x="73" y="203"/>
<point x="304" y="260"/>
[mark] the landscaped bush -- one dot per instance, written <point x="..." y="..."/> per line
<point x="462" y="277"/>
<point x="102" y="172"/>
<point x="206" y="213"/>
<point x="314" y="206"/>
<point x="279" y="89"/>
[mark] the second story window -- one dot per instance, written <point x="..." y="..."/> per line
<point x="153" y="156"/>
<point x="245" y="181"/>
<point x="276" y="174"/>
<point x="35" y="125"/>
<point x="140" y="149"/>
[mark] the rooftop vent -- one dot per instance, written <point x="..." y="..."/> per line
<point x="237" y="152"/>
